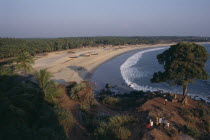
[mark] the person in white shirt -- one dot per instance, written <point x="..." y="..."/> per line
<point x="160" y="120"/>
<point x="168" y="124"/>
<point x="151" y="123"/>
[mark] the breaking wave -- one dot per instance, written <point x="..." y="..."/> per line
<point x="129" y="73"/>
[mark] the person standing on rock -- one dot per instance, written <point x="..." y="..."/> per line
<point x="151" y="123"/>
<point x="160" y="121"/>
<point x="168" y="124"/>
<point x="157" y="120"/>
<point x="164" y="122"/>
<point x="165" y="102"/>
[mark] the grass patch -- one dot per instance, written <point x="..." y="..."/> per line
<point x="114" y="128"/>
<point x="192" y="132"/>
<point x="110" y="100"/>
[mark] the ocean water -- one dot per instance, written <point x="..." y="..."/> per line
<point x="136" y="68"/>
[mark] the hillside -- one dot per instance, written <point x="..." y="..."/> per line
<point x="131" y="112"/>
<point x="73" y="112"/>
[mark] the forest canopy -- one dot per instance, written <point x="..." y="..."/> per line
<point x="9" y="47"/>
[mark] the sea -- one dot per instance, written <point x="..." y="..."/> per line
<point x="133" y="71"/>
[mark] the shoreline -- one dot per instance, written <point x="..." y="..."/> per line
<point x="66" y="69"/>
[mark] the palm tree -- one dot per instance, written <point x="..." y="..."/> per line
<point x="24" y="62"/>
<point x="43" y="79"/>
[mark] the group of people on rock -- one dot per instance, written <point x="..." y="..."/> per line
<point x="159" y="121"/>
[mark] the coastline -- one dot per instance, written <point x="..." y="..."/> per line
<point x="66" y="69"/>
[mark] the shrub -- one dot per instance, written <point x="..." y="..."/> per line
<point x="74" y="97"/>
<point x="121" y="120"/>
<point x="85" y="107"/>
<point x="115" y="127"/>
<point x="52" y="94"/>
<point x="185" y="112"/>
<point x="188" y="119"/>
<point x="4" y="71"/>
<point x="89" y="120"/>
<point x="207" y="124"/>
<point x="77" y="88"/>
<point x="199" y="112"/>
<point x="192" y="131"/>
<point x="65" y="118"/>
<point x="106" y="92"/>
<point x="110" y="100"/>
<point x="122" y="133"/>
<point x="74" y="90"/>
<point x="172" y="132"/>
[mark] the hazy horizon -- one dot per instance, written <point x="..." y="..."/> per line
<point x="80" y="18"/>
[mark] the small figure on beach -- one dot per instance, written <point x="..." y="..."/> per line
<point x="94" y="84"/>
<point x="130" y="85"/>
<point x="107" y="86"/>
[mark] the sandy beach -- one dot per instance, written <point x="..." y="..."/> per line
<point x="79" y="64"/>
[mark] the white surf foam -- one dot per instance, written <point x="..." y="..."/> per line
<point x="129" y="73"/>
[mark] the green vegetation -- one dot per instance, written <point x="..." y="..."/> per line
<point x="183" y="63"/>
<point x="202" y="113"/>
<point x="10" y="47"/>
<point x="75" y="89"/>
<point x="27" y="115"/>
<point x="33" y="110"/>
<point x="5" y="71"/>
<point x="65" y="118"/>
<point x="24" y="115"/>
<point x="192" y="132"/>
<point x="45" y="84"/>
<point x="115" y="127"/>
<point x="24" y="62"/>
<point x="83" y="94"/>
<point x="110" y="100"/>
<point x="123" y="101"/>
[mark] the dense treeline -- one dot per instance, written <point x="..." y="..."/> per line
<point x="9" y="47"/>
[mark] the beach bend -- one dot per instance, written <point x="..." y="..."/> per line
<point x="79" y="64"/>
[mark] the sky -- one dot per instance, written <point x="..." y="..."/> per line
<point x="72" y="18"/>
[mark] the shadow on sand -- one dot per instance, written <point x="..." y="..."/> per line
<point x="60" y="81"/>
<point x="82" y="72"/>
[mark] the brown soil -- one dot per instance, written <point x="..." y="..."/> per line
<point x="171" y="112"/>
<point x="149" y="110"/>
<point x="79" y="132"/>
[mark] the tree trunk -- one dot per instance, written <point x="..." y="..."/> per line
<point x="184" y="100"/>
